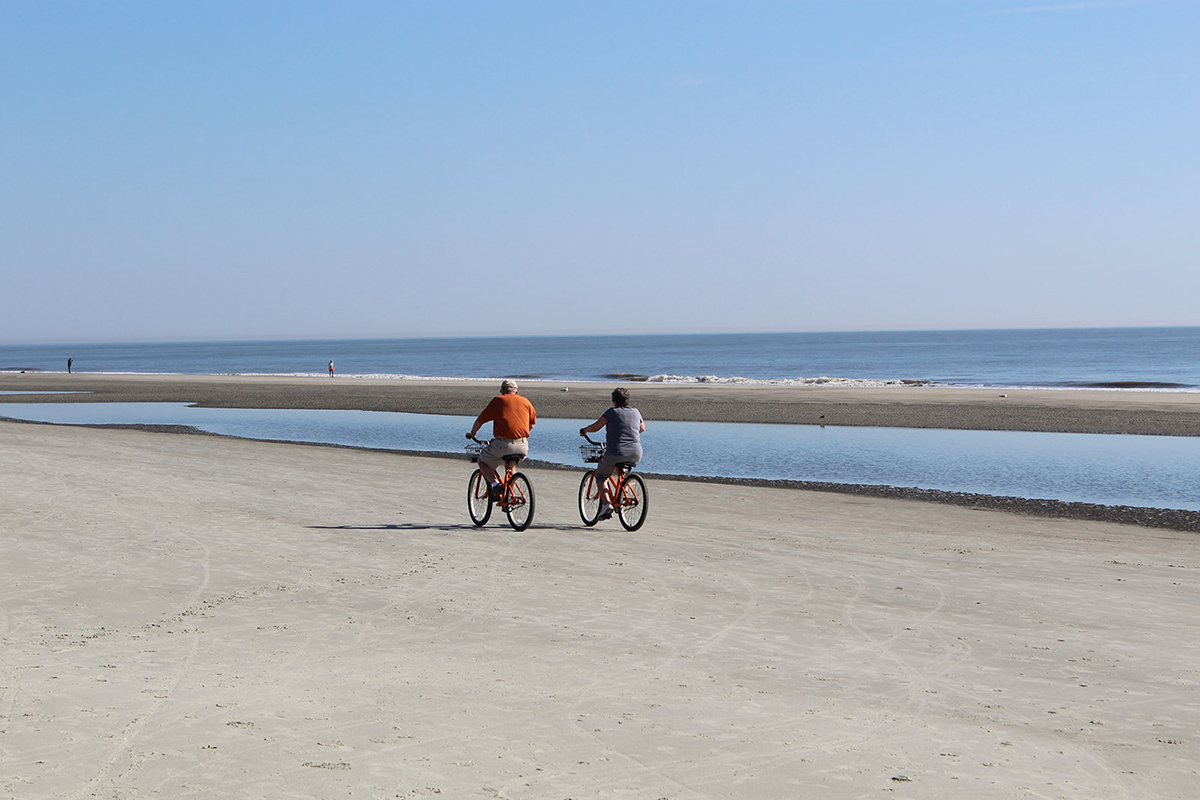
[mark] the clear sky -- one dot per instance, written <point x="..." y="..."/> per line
<point x="218" y="170"/>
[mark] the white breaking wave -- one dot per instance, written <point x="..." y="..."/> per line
<point x="353" y="376"/>
<point x="821" y="381"/>
<point x="715" y="380"/>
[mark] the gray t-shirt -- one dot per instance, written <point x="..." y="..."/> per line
<point x="621" y="432"/>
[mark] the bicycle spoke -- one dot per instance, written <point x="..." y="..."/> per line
<point x="479" y="503"/>
<point x="519" y="502"/>
<point x="633" y="503"/>
<point x="589" y="498"/>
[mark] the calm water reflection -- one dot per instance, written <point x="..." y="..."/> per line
<point x="1156" y="471"/>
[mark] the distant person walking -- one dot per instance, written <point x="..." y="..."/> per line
<point x="331" y="369"/>
<point x="70" y="361"/>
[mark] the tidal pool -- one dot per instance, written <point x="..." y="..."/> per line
<point x="1150" y="471"/>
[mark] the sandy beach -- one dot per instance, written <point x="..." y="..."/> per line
<point x="1065" y="411"/>
<point x="194" y="616"/>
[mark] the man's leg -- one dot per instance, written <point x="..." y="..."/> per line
<point x="489" y="465"/>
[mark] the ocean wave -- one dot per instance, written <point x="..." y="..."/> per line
<point x="375" y="376"/>
<point x="819" y="381"/>
<point x="1159" y="385"/>
<point x="715" y="380"/>
<point x="631" y="377"/>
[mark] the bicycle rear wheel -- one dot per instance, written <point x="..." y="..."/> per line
<point x="589" y="498"/>
<point x="479" y="503"/>
<point x="634" y="503"/>
<point x="519" y="502"/>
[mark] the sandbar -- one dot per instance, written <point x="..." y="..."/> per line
<point x="1047" y="410"/>
<point x="196" y="616"/>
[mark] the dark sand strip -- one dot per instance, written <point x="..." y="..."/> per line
<point x="1064" y="411"/>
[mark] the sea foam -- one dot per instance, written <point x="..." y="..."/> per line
<point x="819" y="381"/>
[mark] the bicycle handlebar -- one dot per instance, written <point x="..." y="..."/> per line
<point x="590" y="440"/>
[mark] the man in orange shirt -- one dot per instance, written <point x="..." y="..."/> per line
<point x="512" y="417"/>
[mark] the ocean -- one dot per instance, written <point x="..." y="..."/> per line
<point x="1165" y="359"/>
<point x="1109" y="470"/>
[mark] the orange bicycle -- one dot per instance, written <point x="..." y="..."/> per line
<point x="626" y="491"/>
<point x="515" y="495"/>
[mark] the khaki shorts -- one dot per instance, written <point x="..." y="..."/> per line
<point x="495" y="451"/>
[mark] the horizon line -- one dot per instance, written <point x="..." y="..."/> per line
<point x="302" y="339"/>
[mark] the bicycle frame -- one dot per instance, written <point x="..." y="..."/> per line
<point x="516" y="494"/>
<point x="626" y="492"/>
<point x="616" y="488"/>
<point x="506" y="483"/>
<point x="616" y="481"/>
<point x="510" y="492"/>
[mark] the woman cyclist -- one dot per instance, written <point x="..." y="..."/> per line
<point x="622" y="443"/>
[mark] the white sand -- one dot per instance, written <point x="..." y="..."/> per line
<point x="187" y="616"/>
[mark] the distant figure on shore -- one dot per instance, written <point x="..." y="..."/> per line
<point x="331" y="369"/>
<point x="70" y="361"/>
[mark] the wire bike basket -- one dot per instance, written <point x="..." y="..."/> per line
<point x="473" y="450"/>
<point x="591" y="452"/>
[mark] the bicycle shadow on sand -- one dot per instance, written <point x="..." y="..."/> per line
<point x="416" y="526"/>
<point x="402" y="526"/>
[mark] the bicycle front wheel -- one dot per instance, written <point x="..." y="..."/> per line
<point x="634" y="503"/>
<point x="479" y="503"/>
<point x="519" y="502"/>
<point x="589" y="498"/>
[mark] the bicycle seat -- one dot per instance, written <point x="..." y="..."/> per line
<point x="513" y="459"/>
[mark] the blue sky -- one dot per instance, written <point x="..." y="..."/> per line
<point x="223" y="170"/>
